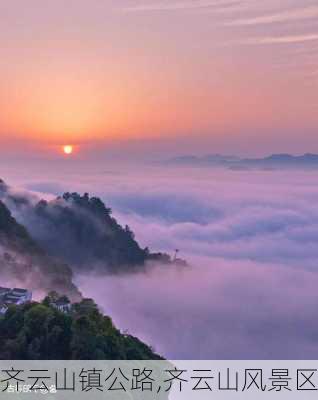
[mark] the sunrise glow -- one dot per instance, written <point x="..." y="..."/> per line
<point x="171" y="148"/>
<point x="68" y="149"/>
<point x="253" y="72"/>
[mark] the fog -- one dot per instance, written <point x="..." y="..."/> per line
<point x="216" y="310"/>
<point x="249" y="237"/>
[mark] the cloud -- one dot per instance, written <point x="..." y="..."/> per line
<point x="251" y="240"/>
<point x="269" y="40"/>
<point x="286" y="16"/>
<point x="51" y="188"/>
<point x="181" y="5"/>
<point x="216" y="310"/>
<point x="251" y="290"/>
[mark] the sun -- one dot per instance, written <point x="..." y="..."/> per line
<point x="68" y="149"/>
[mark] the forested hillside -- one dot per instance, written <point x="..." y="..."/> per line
<point x="39" y="331"/>
<point x="80" y="230"/>
<point x="23" y="260"/>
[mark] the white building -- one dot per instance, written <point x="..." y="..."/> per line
<point x="4" y="291"/>
<point x="24" y="294"/>
<point x="62" y="305"/>
<point x="3" y="308"/>
<point x="14" y="296"/>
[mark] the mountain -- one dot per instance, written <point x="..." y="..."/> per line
<point x="81" y="231"/>
<point x="210" y="159"/>
<point x="284" y="160"/>
<point x="38" y="331"/>
<point x="23" y="260"/>
<point x="274" y="161"/>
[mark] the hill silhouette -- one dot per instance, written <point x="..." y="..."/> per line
<point x="23" y="260"/>
<point x="273" y="161"/>
<point x="81" y="231"/>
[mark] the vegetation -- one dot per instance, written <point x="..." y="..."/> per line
<point x="14" y="234"/>
<point x="82" y="230"/>
<point x="86" y="225"/>
<point x="39" y="331"/>
<point x="23" y="260"/>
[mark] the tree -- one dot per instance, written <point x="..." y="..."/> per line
<point x="39" y="331"/>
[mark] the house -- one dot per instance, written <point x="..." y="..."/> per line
<point x="3" y="308"/>
<point x="23" y="294"/>
<point x="4" y="291"/>
<point x="11" y="299"/>
<point x="14" y="296"/>
<point x="63" y="305"/>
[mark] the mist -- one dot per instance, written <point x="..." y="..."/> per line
<point x="250" y="239"/>
<point x="215" y="310"/>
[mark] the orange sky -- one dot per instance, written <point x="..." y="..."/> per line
<point x="217" y="70"/>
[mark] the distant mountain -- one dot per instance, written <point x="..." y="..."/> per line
<point x="274" y="161"/>
<point x="215" y="159"/>
<point x="284" y="160"/>
<point x="23" y="260"/>
<point x="81" y="231"/>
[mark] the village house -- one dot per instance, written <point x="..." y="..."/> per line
<point x="23" y="294"/>
<point x="14" y="296"/>
<point x="4" y="291"/>
<point x="3" y="308"/>
<point x="62" y="304"/>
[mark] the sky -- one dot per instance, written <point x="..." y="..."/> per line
<point x="177" y="76"/>
<point x="150" y="79"/>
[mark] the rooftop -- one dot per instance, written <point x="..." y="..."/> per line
<point x="20" y="290"/>
<point x="62" y="302"/>
<point x="12" y="296"/>
<point x="4" y="289"/>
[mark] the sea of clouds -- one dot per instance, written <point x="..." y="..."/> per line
<point x="250" y="238"/>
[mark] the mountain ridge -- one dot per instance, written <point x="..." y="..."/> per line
<point x="81" y="231"/>
<point x="23" y="260"/>
<point x="275" y="160"/>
